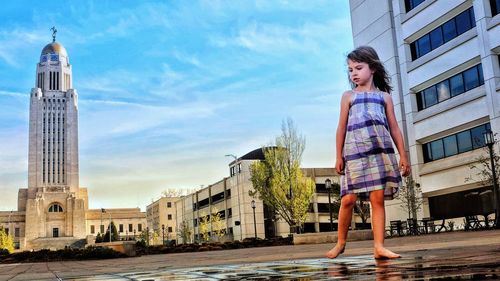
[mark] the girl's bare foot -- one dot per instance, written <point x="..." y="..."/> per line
<point x="383" y="253"/>
<point x="335" y="251"/>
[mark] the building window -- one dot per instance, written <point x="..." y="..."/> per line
<point x="451" y="87"/>
<point x="102" y="228"/>
<point x="169" y="217"/>
<point x="169" y="204"/>
<point x="455" y="144"/>
<point x="17" y="232"/>
<point x="495" y="7"/>
<point x="130" y="227"/>
<point x="411" y="4"/>
<point x="55" y="208"/>
<point x="120" y="227"/>
<point x="55" y="232"/>
<point x="443" y="33"/>
<point x="170" y="229"/>
<point x="139" y="227"/>
<point x="92" y="229"/>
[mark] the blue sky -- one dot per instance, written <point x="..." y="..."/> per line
<point x="167" y="88"/>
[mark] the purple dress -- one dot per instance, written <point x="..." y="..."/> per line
<point x="369" y="159"/>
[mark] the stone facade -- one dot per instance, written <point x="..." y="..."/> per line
<point x="53" y="211"/>
<point x="162" y="219"/>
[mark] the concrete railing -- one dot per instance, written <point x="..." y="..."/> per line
<point x="331" y="237"/>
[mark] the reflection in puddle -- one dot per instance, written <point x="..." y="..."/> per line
<point x="485" y="267"/>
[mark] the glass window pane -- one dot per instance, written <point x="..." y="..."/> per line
<point x="424" y="45"/>
<point x="420" y="102"/>
<point x="463" y="22"/>
<point x="437" y="149"/>
<point x="449" y="30"/>
<point x="456" y="85"/>
<point x="436" y="38"/>
<point x="427" y="152"/>
<point x="430" y="96"/>
<point x="443" y="91"/>
<point x="471" y="79"/>
<point x="464" y="141"/>
<point x="477" y="136"/>
<point x="495" y="7"/>
<point x="480" y="70"/>
<point x="450" y="146"/>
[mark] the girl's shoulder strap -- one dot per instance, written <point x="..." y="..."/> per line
<point x="352" y="96"/>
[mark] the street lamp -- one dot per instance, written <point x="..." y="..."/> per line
<point x="236" y="173"/>
<point x="254" y="222"/>
<point x="489" y="140"/>
<point x="101" y="227"/>
<point x="109" y="226"/>
<point x="328" y="186"/>
<point x="163" y="234"/>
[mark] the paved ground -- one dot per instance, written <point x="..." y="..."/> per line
<point x="457" y="255"/>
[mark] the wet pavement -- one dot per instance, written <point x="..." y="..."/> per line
<point x="449" y="256"/>
<point x="462" y="267"/>
<point x="411" y="267"/>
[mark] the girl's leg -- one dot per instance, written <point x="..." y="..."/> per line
<point x="345" y="214"/>
<point x="378" y="225"/>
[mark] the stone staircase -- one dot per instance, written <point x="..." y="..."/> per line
<point x="56" y="243"/>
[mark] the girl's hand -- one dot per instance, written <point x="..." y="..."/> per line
<point x="404" y="167"/>
<point x="339" y="166"/>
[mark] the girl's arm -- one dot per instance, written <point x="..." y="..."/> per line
<point x="396" y="135"/>
<point x="341" y="131"/>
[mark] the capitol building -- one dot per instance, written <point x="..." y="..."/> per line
<point x="52" y="212"/>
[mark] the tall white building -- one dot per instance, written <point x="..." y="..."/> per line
<point x="444" y="60"/>
<point x="53" y="211"/>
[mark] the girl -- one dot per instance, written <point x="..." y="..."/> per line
<point x="365" y="156"/>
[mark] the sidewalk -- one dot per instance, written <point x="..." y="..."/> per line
<point x="475" y="253"/>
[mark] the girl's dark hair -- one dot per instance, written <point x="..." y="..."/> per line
<point x="368" y="55"/>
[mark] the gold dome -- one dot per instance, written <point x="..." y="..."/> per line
<point x="54" y="47"/>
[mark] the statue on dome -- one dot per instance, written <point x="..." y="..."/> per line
<point x="54" y="31"/>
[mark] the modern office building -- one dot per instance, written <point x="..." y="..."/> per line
<point x="230" y="198"/>
<point x="53" y="211"/>
<point x="443" y="57"/>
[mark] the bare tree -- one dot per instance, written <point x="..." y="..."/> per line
<point x="482" y="168"/>
<point x="362" y="208"/>
<point x="410" y="196"/>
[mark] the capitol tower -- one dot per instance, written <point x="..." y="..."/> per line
<point x="55" y="204"/>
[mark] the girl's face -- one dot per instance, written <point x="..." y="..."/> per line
<point x="360" y="73"/>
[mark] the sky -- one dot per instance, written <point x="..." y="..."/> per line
<point x="168" y="88"/>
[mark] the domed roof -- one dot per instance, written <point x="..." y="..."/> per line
<point x="54" y="47"/>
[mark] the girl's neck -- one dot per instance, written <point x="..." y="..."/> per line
<point x="366" y="89"/>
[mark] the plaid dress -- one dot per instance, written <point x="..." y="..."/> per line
<point x="369" y="159"/>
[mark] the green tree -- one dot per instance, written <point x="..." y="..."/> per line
<point x="185" y="232"/>
<point x="218" y="225"/>
<point x="204" y="227"/>
<point x="278" y="180"/>
<point x="410" y="196"/>
<point x="98" y="238"/>
<point x="6" y="241"/>
<point x="114" y="231"/>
